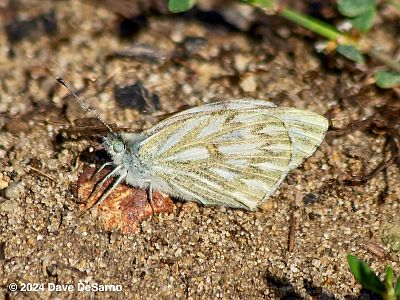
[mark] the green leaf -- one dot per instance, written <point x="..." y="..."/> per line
<point x="363" y="274"/>
<point x="386" y="79"/>
<point x="177" y="6"/>
<point x="364" y="22"/>
<point x="354" y="8"/>
<point x="260" y="3"/>
<point x="389" y="278"/>
<point x="397" y="287"/>
<point x="351" y="53"/>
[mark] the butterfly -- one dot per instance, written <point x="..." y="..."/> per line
<point x="233" y="153"/>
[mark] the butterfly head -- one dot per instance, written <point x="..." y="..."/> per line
<point x="117" y="146"/>
<point x="123" y="147"/>
<point x="114" y="144"/>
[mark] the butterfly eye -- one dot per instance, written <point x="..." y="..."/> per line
<point x="118" y="147"/>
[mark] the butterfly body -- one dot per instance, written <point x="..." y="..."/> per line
<point x="233" y="153"/>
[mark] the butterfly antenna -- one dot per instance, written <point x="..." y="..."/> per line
<point x="81" y="103"/>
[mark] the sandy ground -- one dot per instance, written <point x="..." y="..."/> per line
<point x="194" y="252"/>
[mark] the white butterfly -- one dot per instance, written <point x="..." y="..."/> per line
<point x="233" y="153"/>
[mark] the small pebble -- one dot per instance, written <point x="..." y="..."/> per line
<point x="241" y="62"/>
<point x="10" y="207"/>
<point x="310" y="199"/>
<point x="248" y="84"/>
<point x="392" y="238"/>
<point x="4" y="181"/>
<point x="294" y="269"/>
<point x="316" y="263"/>
<point x="14" y="190"/>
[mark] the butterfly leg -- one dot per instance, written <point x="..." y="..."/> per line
<point x="110" y="189"/>
<point x="150" y="194"/>
<point x="99" y="184"/>
<point x="102" y="167"/>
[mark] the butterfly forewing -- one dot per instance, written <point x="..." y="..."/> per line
<point x="230" y="153"/>
<point x="245" y="104"/>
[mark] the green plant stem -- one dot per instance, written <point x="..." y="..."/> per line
<point x="389" y="295"/>
<point x="315" y="25"/>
